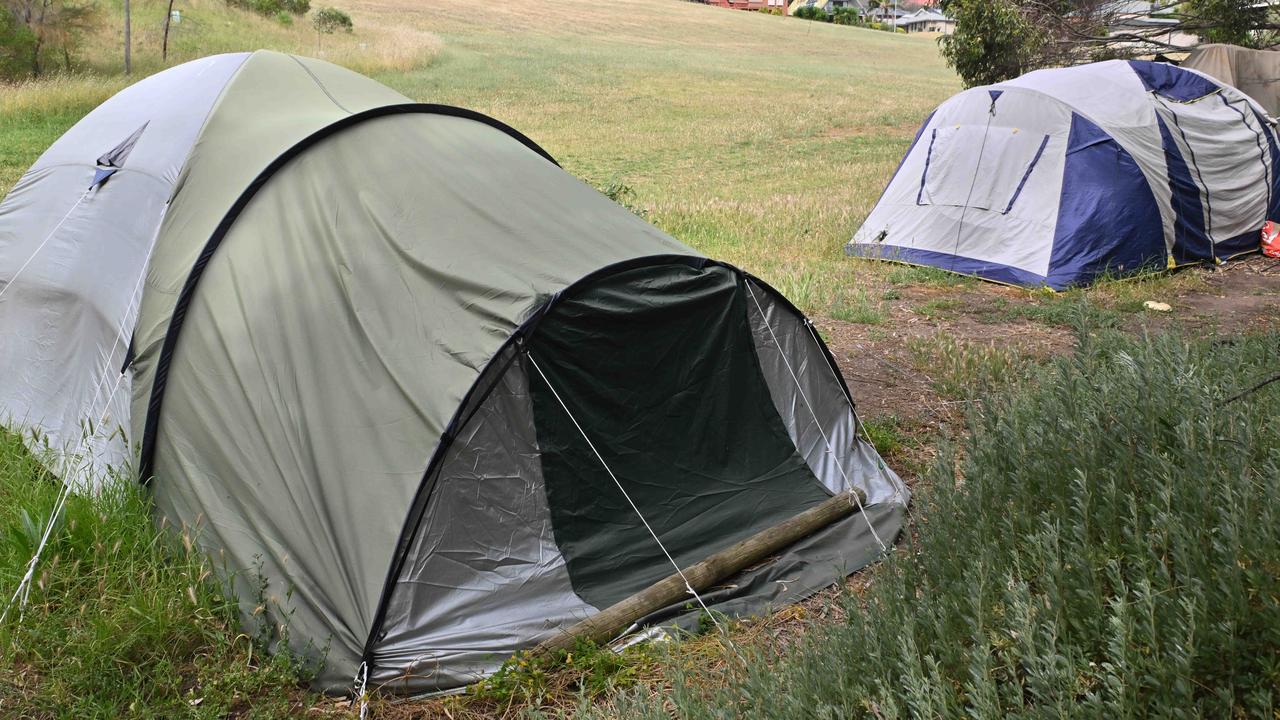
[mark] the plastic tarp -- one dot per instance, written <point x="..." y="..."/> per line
<point x="1255" y="73"/>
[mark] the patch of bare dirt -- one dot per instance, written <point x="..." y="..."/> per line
<point x="1241" y="296"/>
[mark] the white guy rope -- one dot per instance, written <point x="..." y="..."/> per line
<point x="897" y="484"/>
<point x="128" y="311"/>
<point x="991" y="112"/>
<point x="23" y="591"/>
<point x="361" y="686"/>
<point x="817" y="423"/>
<point x="44" y="242"/>
<point x="24" y="585"/>
<point x="639" y="514"/>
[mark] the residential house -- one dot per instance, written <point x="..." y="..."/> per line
<point x="1146" y="19"/>
<point x="753" y="5"/>
<point x="927" y="20"/>
<point x="887" y="14"/>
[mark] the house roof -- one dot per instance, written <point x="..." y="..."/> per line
<point x="923" y="15"/>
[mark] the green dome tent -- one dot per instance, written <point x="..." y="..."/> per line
<point x="443" y="398"/>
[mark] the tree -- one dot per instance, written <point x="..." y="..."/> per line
<point x="1239" y="22"/>
<point x="38" y="33"/>
<point x="16" y="46"/>
<point x="810" y="12"/>
<point x="128" y="39"/>
<point x="995" y="40"/>
<point x="328" y="21"/>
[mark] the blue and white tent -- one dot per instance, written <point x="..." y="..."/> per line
<point x="1061" y="175"/>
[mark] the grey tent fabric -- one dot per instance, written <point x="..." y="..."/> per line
<point x="330" y="374"/>
<point x="73" y="250"/>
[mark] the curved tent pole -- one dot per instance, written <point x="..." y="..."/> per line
<point x="178" y="316"/>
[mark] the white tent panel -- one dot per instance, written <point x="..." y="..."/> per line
<point x="75" y="236"/>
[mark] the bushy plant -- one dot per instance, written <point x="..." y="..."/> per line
<point x="331" y="20"/>
<point x="17" y="46"/>
<point x="1104" y="545"/>
<point x="36" y="35"/>
<point x="846" y="16"/>
<point x="993" y="41"/>
<point x="587" y="670"/>
<point x="273" y="8"/>
<point x="810" y="12"/>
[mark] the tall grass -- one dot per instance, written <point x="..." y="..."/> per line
<point x="1105" y="545"/>
<point x="207" y="27"/>
<point x="123" y="619"/>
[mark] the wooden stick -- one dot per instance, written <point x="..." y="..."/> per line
<point x="606" y="624"/>
<point x="164" y="46"/>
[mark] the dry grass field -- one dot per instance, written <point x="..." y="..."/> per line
<point x="757" y="139"/>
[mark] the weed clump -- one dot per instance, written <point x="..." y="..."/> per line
<point x="587" y="670"/>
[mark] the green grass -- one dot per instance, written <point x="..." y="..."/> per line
<point x="1103" y="545"/>
<point x="857" y="306"/>
<point x="123" y="619"/>
<point x="921" y="275"/>
<point x="885" y="434"/>
<point x="968" y="370"/>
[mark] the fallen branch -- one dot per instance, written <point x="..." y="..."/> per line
<point x="1253" y="389"/>
<point x="605" y="625"/>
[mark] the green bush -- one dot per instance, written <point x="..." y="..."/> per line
<point x="994" y="40"/>
<point x="1105" y="545"/>
<point x="38" y="36"/>
<point x="331" y="20"/>
<point x="846" y="16"/>
<point x="17" y="47"/>
<point x="273" y="8"/>
<point x="809" y="12"/>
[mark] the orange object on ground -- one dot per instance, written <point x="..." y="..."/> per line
<point x="1271" y="239"/>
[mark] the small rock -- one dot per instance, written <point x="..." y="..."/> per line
<point x="1157" y="306"/>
